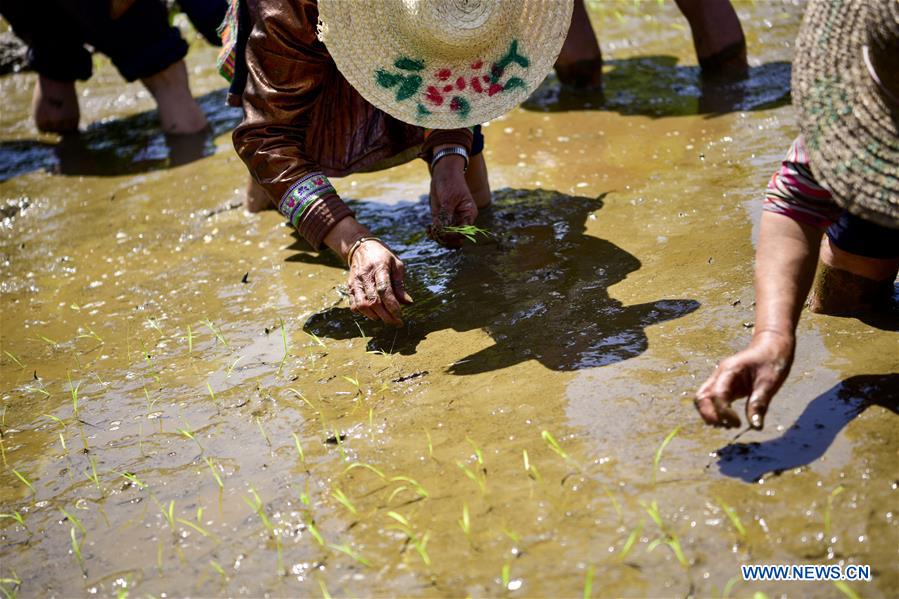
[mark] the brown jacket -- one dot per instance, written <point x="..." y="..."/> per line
<point x="301" y="116"/>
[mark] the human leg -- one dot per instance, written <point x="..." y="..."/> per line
<point x="717" y="36"/>
<point x="54" y="105"/>
<point x="859" y="263"/>
<point x="579" y="64"/>
<point x="476" y="176"/>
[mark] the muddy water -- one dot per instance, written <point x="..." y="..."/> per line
<point x="201" y="345"/>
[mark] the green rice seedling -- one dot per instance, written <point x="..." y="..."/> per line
<point x="325" y="593"/>
<point x="215" y="474"/>
<point x="234" y="363"/>
<point x="465" y="521"/>
<point x="430" y="444"/>
<point x="506" y="574"/>
<point x="729" y="586"/>
<point x="588" y="581"/>
<point x="658" y="457"/>
<point x="369" y="467"/>
<point x="73" y="391"/>
<point x="48" y="341"/>
<point x="478" y="478"/>
<point x="150" y="402"/>
<point x="211" y="393"/>
<point x="92" y="474"/>
<point x="25" y="481"/>
<point x="15" y="516"/>
<point x="76" y="549"/>
<point x="217" y="332"/>
<point x="346" y="549"/>
<point x="759" y="595"/>
<point x="554" y="445"/>
<point x="313" y="530"/>
<point x="131" y="478"/>
<point x="299" y="447"/>
<point x="90" y="335"/>
<point x="530" y="468"/>
<point x="416" y="486"/>
<point x="614" y="501"/>
<point x="731" y="514"/>
<point x="257" y="506"/>
<point x="148" y="358"/>
<point x="354" y="382"/>
<point x="477" y="452"/>
<point x="668" y="536"/>
<point x="262" y="431"/>
<point x="221" y="571"/>
<point x="190" y="340"/>
<point x="845" y="589"/>
<point x="420" y="543"/>
<point x="469" y="232"/>
<point x="284" y="342"/>
<point x="829" y="509"/>
<point x="196" y="526"/>
<point x="75" y="521"/>
<point x="305" y="497"/>
<point x="33" y="389"/>
<point x="371" y="418"/>
<point x="513" y="536"/>
<point x="631" y="539"/>
<point x="189" y="434"/>
<point x="168" y="513"/>
<point x="15" y="582"/>
<point x="344" y="501"/>
<point x="316" y="339"/>
<point x="151" y="322"/>
<point x="15" y="359"/>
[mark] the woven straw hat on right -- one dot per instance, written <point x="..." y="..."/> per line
<point x="846" y="91"/>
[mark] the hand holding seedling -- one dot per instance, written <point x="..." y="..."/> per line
<point x="451" y="201"/>
<point x="757" y="372"/>
<point x="376" y="277"/>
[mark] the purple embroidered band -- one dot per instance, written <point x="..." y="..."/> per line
<point x="302" y="195"/>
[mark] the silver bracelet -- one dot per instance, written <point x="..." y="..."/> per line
<point x="355" y="246"/>
<point x="452" y="151"/>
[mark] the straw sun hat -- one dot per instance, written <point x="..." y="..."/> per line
<point x="444" y="64"/>
<point x="846" y="90"/>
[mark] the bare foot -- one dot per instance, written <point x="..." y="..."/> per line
<point x="257" y="198"/>
<point x="55" y="106"/>
<point x="579" y="65"/>
<point x="178" y="111"/>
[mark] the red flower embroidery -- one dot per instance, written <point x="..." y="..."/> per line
<point x="477" y="65"/>
<point x="476" y="85"/>
<point x="444" y="74"/>
<point x="460" y="83"/>
<point x="494" y="89"/>
<point x="434" y="96"/>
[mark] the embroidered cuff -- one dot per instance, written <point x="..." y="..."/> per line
<point x="321" y="217"/>
<point x="302" y="195"/>
<point x="439" y="137"/>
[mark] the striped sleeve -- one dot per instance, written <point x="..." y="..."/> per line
<point x="794" y="192"/>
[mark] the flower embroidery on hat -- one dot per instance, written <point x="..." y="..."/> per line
<point x="456" y="92"/>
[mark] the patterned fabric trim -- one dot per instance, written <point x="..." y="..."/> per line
<point x="302" y="195"/>
<point x="794" y="192"/>
<point x="228" y="32"/>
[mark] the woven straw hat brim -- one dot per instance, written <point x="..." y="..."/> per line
<point x="850" y="132"/>
<point x="448" y="90"/>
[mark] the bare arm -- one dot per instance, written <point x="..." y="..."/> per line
<point x="786" y="258"/>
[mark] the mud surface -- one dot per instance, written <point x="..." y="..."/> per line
<point x="164" y="356"/>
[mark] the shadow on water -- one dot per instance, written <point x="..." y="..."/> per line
<point x="814" y="431"/>
<point x="125" y="146"/>
<point x="539" y="287"/>
<point x="656" y="86"/>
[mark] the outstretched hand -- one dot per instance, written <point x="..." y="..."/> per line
<point x="756" y="372"/>
<point x="376" y="283"/>
<point x="451" y="201"/>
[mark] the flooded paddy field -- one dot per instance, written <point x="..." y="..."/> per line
<point x="188" y="407"/>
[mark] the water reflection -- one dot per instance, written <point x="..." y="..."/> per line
<point x="539" y="288"/>
<point x="656" y="86"/>
<point x="814" y="431"/>
<point x="129" y="145"/>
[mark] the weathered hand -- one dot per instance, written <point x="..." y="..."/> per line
<point x="376" y="283"/>
<point x="757" y="372"/>
<point x="451" y="201"/>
